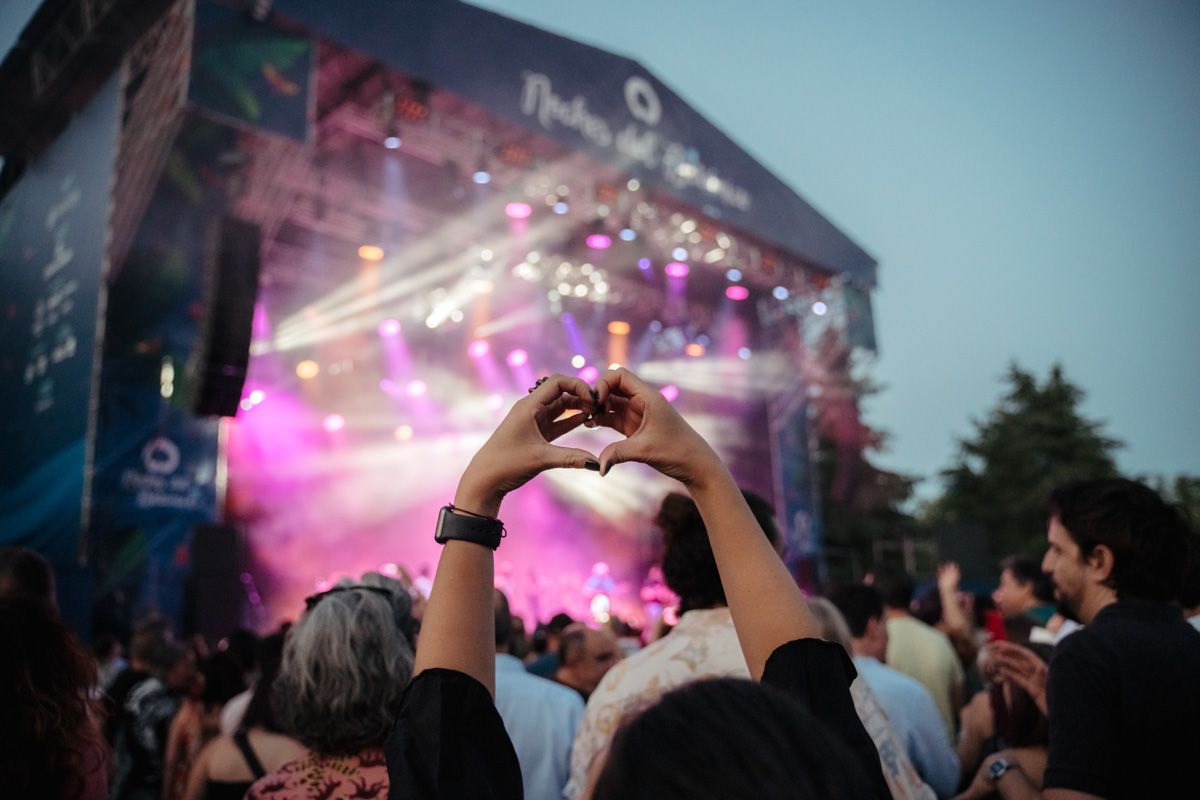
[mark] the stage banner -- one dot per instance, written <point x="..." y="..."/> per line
<point x="251" y="73"/>
<point x="155" y="474"/>
<point x="53" y="241"/>
<point x="860" y="318"/>
<point x="590" y="100"/>
<point x="796" y="487"/>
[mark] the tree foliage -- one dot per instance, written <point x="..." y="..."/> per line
<point x="860" y="503"/>
<point x="1033" y="439"/>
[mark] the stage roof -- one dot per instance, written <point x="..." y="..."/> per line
<point x="588" y="99"/>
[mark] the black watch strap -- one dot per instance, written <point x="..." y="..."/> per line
<point x="480" y="530"/>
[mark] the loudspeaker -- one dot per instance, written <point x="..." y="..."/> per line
<point x="215" y="594"/>
<point x="217" y="370"/>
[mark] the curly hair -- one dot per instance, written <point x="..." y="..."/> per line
<point x="688" y="565"/>
<point x="345" y="667"/>
<point x="49" y="736"/>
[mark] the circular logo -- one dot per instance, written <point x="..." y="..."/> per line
<point x="642" y="100"/>
<point x="160" y="456"/>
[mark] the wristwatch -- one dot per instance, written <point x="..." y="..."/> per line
<point x="480" y="530"/>
<point x="998" y="768"/>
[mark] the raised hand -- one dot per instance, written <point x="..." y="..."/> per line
<point x="655" y="432"/>
<point x="521" y="447"/>
<point x="948" y="577"/>
<point x="1021" y="666"/>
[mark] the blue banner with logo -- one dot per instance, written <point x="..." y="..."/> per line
<point x="156" y="463"/>
<point x="53" y="241"/>
<point x="796" y="488"/>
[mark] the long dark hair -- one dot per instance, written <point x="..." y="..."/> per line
<point x="728" y="738"/>
<point x="49" y="736"/>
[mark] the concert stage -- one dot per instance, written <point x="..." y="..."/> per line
<point x="442" y="204"/>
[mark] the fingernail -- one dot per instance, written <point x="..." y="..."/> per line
<point x="604" y="470"/>
<point x="592" y="464"/>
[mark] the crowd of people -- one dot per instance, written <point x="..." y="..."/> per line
<point x="1078" y="677"/>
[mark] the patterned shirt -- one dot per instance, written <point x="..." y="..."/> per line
<point x="704" y="645"/>
<point x="316" y="777"/>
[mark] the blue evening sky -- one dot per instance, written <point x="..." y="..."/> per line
<point x="1027" y="174"/>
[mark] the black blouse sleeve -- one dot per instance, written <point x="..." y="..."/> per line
<point x="819" y="674"/>
<point x="449" y="742"/>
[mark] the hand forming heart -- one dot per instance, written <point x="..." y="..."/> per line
<point x="655" y="434"/>
<point x="521" y="447"/>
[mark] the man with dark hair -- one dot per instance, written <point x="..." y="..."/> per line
<point x="1024" y="590"/>
<point x="585" y="655"/>
<point x="545" y="665"/>
<point x="541" y="716"/>
<point x="908" y="704"/>
<point x="918" y="650"/>
<point x="145" y="719"/>
<point x="1122" y="693"/>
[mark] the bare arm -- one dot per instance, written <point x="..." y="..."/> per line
<point x="458" y="631"/>
<point x="767" y="607"/>
<point x="198" y="777"/>
<point x="948" y="578"/>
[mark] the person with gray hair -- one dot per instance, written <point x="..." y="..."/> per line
<point x="346" y="665"/>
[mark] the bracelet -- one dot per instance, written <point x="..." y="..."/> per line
<point x="458" y="510"/>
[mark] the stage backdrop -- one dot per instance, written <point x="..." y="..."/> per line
<point x="53" y="240"/>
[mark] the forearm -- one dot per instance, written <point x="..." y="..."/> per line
<point x="952" y="613"/>
<point x="1016" y="785"/>
<point x="458" y="629"/>
<point x="767" y="607"/>
<point x="970" y="750"/>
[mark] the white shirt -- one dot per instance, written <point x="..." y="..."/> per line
<point x="916" y="719"/>
<point x="704" y="645"/>
<point x="541" y="718"/>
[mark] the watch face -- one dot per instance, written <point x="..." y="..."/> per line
<point x="998" y="768"/>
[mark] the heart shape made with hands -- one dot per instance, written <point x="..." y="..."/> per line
<point x="522" y="446"/>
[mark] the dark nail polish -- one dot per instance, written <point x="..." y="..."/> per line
<point x="592" y="464"/>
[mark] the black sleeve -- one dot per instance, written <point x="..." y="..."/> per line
<point x="819" y="674"/>
<point x="1081" y="696"/>
<point x="449" y="742"/>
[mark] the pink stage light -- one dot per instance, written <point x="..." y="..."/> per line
<point x="676" y="269"/>
<point x="416" y="388"/>
<point x="671" y="392"/>
<point x="495" y="402"/>
<point x="389" y="328"/>
<point x="644" y="264"/>
<point x="334" y="423"/>
<point x="518" y="358"/>
<point x="518" y="210"/>
<point x="478" y="348"/>
<point x="599" y="241"/>
<point x="737" y="292"/>
<point x="589" y="374"/>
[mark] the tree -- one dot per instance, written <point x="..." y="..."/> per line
<point x="1032" y="440"/>
<point x="861" y="504"/>
<point x="1184" y="493"/>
